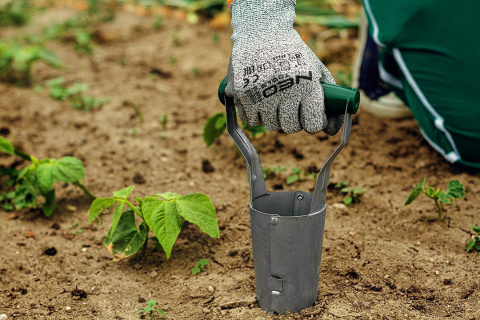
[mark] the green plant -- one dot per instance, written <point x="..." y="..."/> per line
<point x="15" y="12"/>
<point x="73" y="93"/>
<point x="150" y="309"/>
<point x="352" y="195"/>
<point x="196" y="72"/>
<point x="17" y="60"/>
<point x="176" y="39"/>
<point x="199" y="266"/>
<point x="40" y="177"/>
<point x="162" y="213"/>
<point x="83" y="41"/>
<point x="270" y="173"/>
<point x="475" y="242"/>
<point x="216" y="125"/>
<point x="157" y="23"/>
<point x="454" y="190"/>
<point x="300" y="175"/>
<point x="163" y="121"/>
<point x="6" y="200"/>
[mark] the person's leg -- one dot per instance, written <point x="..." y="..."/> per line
<point x="431" y="48"/>
<point x="376" y="97"/>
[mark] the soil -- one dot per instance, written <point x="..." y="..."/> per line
<point x="381" y="259"/>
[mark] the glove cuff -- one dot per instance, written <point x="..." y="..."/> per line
<point x="262" y="20"/>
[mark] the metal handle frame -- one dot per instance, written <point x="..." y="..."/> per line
<point x="254" y="168"/>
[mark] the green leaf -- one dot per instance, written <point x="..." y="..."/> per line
<point x="214" y="128"/>
<point x="161" y="312"/>
<point x="50" y="58"/>
<point x="456" y="189"/>
<point x="254" y="130"/>
<point x="117" y="214"/>
<point x="470" y="245"/>
<point x="123" y="193"/>
<point x="347" y="200"/>
<point x="152" y="303"/>
<point x="164" y="221"/>
<point x="445" y="197"/>
<point x="25" y="195"/>
<point x="291" y="179"/>
<point x="476" y="229"/>
<point x="202" y="262"/>
<point x="198" y="209"/>
<point x="415" y="192"/>
<point x="97" y="206"/>
<point x="196" y="270"/>
<point x="168" y="195"/>
<point x="69" y="169"/>
<point x="127" y="239"/>
<point x="49" y="204"/>
<point x="6" y="146"/>
<point x="148" y="309"/>
<point x="45" y="177"/>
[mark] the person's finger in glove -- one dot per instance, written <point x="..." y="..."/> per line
<point x="273" y="76"/>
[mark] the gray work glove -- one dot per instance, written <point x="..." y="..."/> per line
<point x="273" y="75"/>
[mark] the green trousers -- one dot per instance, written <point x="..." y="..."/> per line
<point x="430" y="57"/>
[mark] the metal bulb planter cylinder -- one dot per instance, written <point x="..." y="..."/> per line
<point x="287" y="227"/>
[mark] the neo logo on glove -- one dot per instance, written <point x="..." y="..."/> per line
<point x="285" y="84"/>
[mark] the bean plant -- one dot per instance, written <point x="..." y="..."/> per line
<point x="38" y="179"/>
<point x="163" y="214"/>
<point x="455" y="190"/>
<point x="17" y="60"/>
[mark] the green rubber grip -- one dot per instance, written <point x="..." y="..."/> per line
<point x="337" y="97"/>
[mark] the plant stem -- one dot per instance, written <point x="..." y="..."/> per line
<point x="145" y="245"/>
<point x="439" y="209"/>
<point x="134" y="208"/>
<point x="22" y="154"/>
<point x="85" y="189"/>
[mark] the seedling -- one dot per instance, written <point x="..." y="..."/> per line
<point x="150" y="309"/>
<point x="270" y="173"/>
<point x="16" y="61"/>
<point x="176" y="39"/>
<point x="73" y="93"/>
<point x="157" y="23"/>
<point x="454" y="190"/>
<point x="216" y="125"/>
<point x="196" y="72"/>
<point x="163" y="121"/>
<point x="199" y="266"/>
<point x="15" y="13"/>
<point x="40" y="177"/>
<point x="84" y="42"/>
<point x="162" y="213"/>
<point x="353" y="195"/>
<point x="475" y="243"/>
<point x="173" y="61"/>
<point x="6" y="200"/>
<point x="300" y="175"/>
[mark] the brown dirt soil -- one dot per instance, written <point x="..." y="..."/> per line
<point x="381" y="259"/>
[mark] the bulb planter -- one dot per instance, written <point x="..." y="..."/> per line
<point x="287" y="227"/>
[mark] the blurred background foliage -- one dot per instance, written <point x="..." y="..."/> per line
<point x="328" y="26"/>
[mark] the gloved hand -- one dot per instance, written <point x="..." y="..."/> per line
<point x="273" y="75"/>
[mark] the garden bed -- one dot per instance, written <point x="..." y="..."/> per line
<point x="381" y="259"/>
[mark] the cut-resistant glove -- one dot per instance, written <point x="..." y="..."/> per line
<point x="273" y="75"/>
